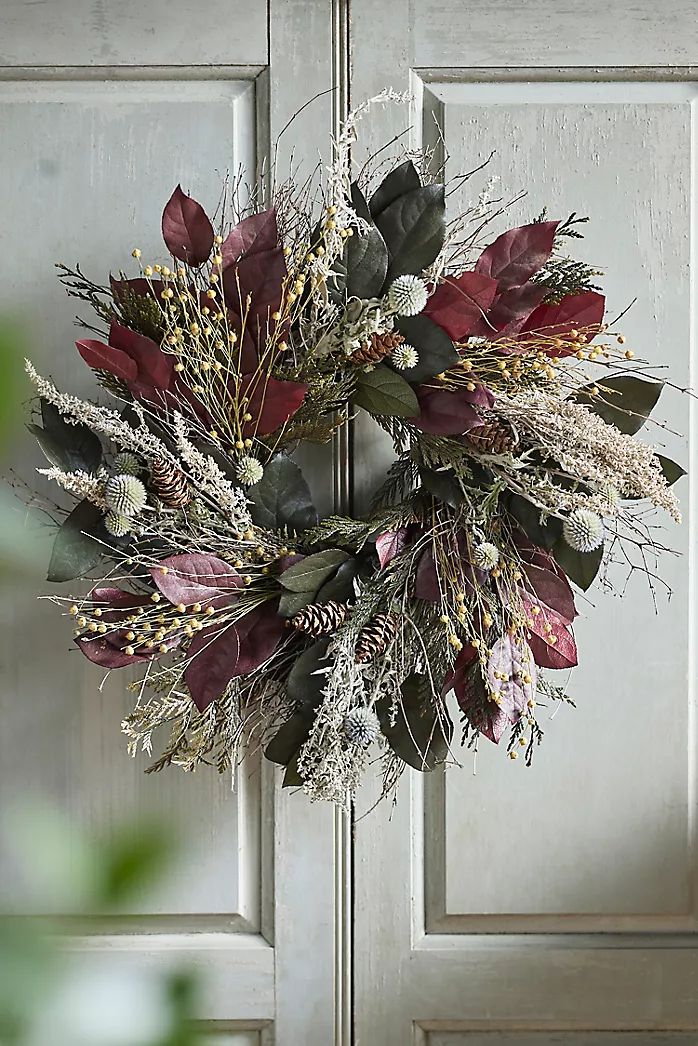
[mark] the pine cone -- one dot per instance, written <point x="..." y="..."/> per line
<point x="494" y="436"/>
<point x="373" y="637"/>
<point x="379" y="346"/>
<point x="169" y="483"/>
<point x="319" y="619"/>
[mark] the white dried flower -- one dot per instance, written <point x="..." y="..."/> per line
<point x="116" y="525"/>
<point x="80" y="484"/>
<point x="361" y="726"/>
<point x="583" y="530"/>
<point x="612" y="500"/>
<point x="405" y="357"/>
<point x="125" y="495"/>
<point x="128" y="463"/>
<point x="407" y="295"/>
<point x="249" y="471"/>
<point x="486" y="555"/>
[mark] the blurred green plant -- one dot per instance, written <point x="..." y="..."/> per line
<point x="53" y="993"/>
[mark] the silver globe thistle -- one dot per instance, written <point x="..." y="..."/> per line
<point x="486" y="555"/>
<point x="583" y="530"/>
<point x="116" y="525"/>
<point x="404" y="357"/>
<point x="249" y="471"/>
<point x="128" y="464"/>
<point x="361" y="727"/>
<point x="407" y="295"/>
<point x="613" y="500"/>
<point x="125" y="495"/>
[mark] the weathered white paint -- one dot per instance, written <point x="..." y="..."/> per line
<point x="555" y="905"/>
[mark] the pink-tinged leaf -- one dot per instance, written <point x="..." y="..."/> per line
<point x="514" y="661"/>
<point x="117" y="603"/>
<point x="581" y="312"/>
<point x="390" y="544"/>
<point x="512" y="308"/>
<point x="103" y="357"/>
<point x="550" y="639"/>
<point x="155" y="368"/>
<point x="518" y="254"/>
<point x="458" y="678"/>
<point x="196" y="578"/>
<point x="101" y="652"/>
<point x="270" y="402"/>
<point x="445" y="413"/>
<point x="217" y="656"/>
<point x="426" y="584"/>
<point x="459" y="303"/>
<point x="186" y="229"/>
<point x="493" y="723"/>
<point x="252" y="235"/>
<point x="260" y="276"/>
<point x="551" y="590"/>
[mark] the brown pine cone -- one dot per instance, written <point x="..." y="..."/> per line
<point x="169" y="483"/>
<point x="494" y="436"/>
<point x="373" y="637"/>
<point x="319" y="619"/>
<point x="380" y="345"/>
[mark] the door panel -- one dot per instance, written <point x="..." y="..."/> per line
<point x="101" y="115"/>
<point x="532" y="906"/>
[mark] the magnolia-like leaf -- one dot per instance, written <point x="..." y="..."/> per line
<point x="260" y="277"/>
<point x="443" y="412"/>
<point x="313" y="571"/>
<point x="581" y="312"/>
<point x="366" y="261"/>
<point x="671" y="470"/>
<point x="551" y="590"/>
<point x="289" y="739"/>
<point x="459" y="303"/>
<point x="420" y="735"/>
<point x="270" y="402"/>
<point x="382" y="391"/>
<point x="443" y="485"/>
<point x="624" y="401"/>
<point x="291" y="603"/>
<point x="341" y="586"/>
<point x="186" y="229"/>
<point x="101" y="652"/>
<point x="514" y="660"/>
<point x="358" y="202"/>
<point x="398" y="182"/>
<point x="103" y="357"/>
<point x="282" y="497"/>
<point x="550" y="639"/>
<point x="253" y="234"/>
<point x="518" y="254"/>
<point x="426" y="583"/>
<point x="473" y="696"/>
<point x="390" y="544"/>
<point x="436" y="350"/>
<point x="580" y="567"/>
<point x="69" y="447"/>
<point x="306" y="680"/>
<point x="196" y="577"/>
<point x="542" y="533"/>
<point x="413" y="228"/>
<point x="76" y="549"/>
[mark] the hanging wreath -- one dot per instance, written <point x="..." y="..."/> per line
<point x="513" y="409"/>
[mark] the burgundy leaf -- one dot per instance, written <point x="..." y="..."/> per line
<point x="426" y="585"/>
<point x="155" y="368"/>
<point x="458" y="679"/>
<point x="116" y="603"/>
<point x="518" y="254"/>
<point x="104" y="357"/>
<point x="446" y="413"/>
<point x="186" y="230"/>
<point x="552" y="590"/>
<point x="252" y="235"/>
<point x="101" y="652"/>
<point x="459" y="303"/>
<point x="514" y="661"/>
<point x="260" y="276"/>
<point x="260" y="633"/>
<point x="512" y="308"/>
<point x="550" y="639"/>
<point x="270" y="402"/>
<point x="196" y="578"/>
<point x="576" y="311"/>
<point x="390" y="544"/>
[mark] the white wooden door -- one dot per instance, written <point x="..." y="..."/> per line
<point x="104" y="108"/>
<point x="557" y="904"/>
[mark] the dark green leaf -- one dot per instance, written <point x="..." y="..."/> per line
<point x="671" y="470"/>
<point x="580" y="567"/>
<point x="435" y="348"/>
<point x="341" y="586"/>
<point x="292" y="777"/>
<point x="624" y="401"/>
<point x="71" y="447"/>
<point x="443" y="485"/>
<point x="528" y="517"/>
<point x="413" y="227"/>
<point x="358" y="202"/>
<point x="291" y="602"/>
<point x="282" y="497"/>
<point x="133" y="859"/>
<point x="366" y="263"/>
<point x="417" y="736"/>
<point x="288" y="739"/>
<point x="310" y="573"/>
<point x="400" y="181"/>
<point x="382" y="391"/>
<point x="303" y="684"/>
<point x="75" y="550"/>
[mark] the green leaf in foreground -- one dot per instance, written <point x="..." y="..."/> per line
<point x="76" y="549"/>
<point x="382" y="391"/>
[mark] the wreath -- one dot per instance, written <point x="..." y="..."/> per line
<point x="333" y="643"/>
